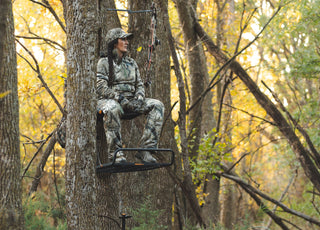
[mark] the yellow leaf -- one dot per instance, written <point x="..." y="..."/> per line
<point x="5" y="93"/>
<point x="139" y="49"/>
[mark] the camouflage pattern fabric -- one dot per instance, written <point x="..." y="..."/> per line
<point x="116" y="33"/>
<point x="127" y="86"/>
<point x="127" y="81"/>
<point x="61" y="133"/>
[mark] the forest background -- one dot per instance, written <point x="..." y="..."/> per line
<point x="241" y="91"/>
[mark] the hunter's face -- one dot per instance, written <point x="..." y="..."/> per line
<point x="122" y="45"/>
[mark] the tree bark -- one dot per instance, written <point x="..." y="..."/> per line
<point x="156" y="184"/>
<point x="124" y="192"/>
<point x="108" y="19"/>
<point x="11" y="215"/>
<point x="81" y="119"/>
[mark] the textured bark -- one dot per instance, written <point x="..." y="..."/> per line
<point x="156" y="184"/>
<point x="228" y="211"/>
<point x="302" y="154"/>
<point x="81" y="119"/>
<point x="11" y="216"/>
<point x="107" y="20"/>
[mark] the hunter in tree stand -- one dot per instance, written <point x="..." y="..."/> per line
<point x="121" y="94"/>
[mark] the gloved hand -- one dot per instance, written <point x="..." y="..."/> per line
<point x="135" y="105"/>
<point x="138" y="101"/>
<point x="126" y="105"/>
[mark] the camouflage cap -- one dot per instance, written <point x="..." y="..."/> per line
<point x="116" y="33"/>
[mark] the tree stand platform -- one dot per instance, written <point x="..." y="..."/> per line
<point x="113" y="167"/>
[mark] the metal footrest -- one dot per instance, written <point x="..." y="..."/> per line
<point x="113" y="167"/>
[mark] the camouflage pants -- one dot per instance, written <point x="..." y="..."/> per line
<point x="113" y="113"/>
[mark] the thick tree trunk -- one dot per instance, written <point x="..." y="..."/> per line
<point x="196" y="76"/>
<point x="154" y="185"/>
<point x="81" y="118"/>
<point x="201" y="116"/>
<point x="108" y="195"/>
<point x="11" y="215"/>
<point x="124" y="192"/>
<point x="228" y="202"/>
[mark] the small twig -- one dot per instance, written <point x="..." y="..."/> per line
<point x="281" y="197"/>
<point x="313" y="201"/>
<point x="251" y="115"/>
<point x="167" y="117"/>
<point x="237" y="162"/>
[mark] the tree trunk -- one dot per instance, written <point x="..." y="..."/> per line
<point x="197" y="80"/>
<point x="228" y="202"/>
<point x="153" y="185"/>
<point x="197" y="70"/>
<point x="81" y="118"/>
<point x="11" y="215"/>
<point x="107" y="20"/>
<point x="125" y="192"/>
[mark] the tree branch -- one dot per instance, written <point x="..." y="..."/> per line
<point x="47" y="5"/>
<point x="251" y="115"/>
<point x="37" y="70"/>
<point x="48" y="41"/>
<point x="316" y="155"/>
<point x="35" y="155"/>
<point x="281" y="197"/>
<point x="42" y="163"/>
<point x="250" y="188"/>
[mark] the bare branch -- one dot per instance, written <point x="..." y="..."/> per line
<point x="47" y="5"/>
<point x="282" y="196"/>
<point x="248" y="187"/>
<point x="35" y="155"/>
<point x="37" y="70"/>
<point x="48" y="41"/>
<point x="251" y="115"/>
<point x="42" y="163"/>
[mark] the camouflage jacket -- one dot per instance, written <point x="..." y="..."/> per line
<point x="127" y="81"/>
